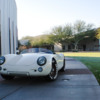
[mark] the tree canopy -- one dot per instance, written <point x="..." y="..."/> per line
<point x="98" y="33"/>
<point x="39" y="40"/>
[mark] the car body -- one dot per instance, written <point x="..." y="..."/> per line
<point x="32" y="62"/>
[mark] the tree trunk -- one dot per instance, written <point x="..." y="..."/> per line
<point x="76" y="46"/>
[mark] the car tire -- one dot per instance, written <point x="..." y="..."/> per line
<point x="63" y="68"/>
<point x="54" y="72"/>
<point x="7" y="77"/>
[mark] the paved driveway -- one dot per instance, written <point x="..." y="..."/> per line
<point x="76" y="83"/>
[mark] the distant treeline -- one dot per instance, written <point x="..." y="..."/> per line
<point x="69" y="33"/>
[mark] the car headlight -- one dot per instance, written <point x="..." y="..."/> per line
<point x="2" y="60"/>
<point x="41" y="61"/>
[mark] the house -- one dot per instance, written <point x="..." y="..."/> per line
<point x="87" y="45"/>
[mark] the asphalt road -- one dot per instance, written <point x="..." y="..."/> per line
<point x="70" y="85"/>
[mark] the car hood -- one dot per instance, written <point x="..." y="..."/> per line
<point x="23" y="59"/>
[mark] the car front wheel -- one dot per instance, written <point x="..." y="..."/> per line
<point x="54" y="72"/>
<point x="7" y="77"/>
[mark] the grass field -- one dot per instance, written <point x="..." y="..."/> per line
<point x="90" y="59"/>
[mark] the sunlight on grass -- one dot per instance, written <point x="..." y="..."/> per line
<point x="82" y="54"/>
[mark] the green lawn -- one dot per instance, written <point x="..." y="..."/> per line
<point x="93" y="63"/>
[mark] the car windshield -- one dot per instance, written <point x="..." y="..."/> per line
<point x="37" y="50"/>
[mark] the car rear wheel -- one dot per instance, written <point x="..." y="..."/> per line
<point x="7" y="77"/>
<point x="54" y="72"/>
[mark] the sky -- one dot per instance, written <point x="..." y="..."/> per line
<point x="36" y="17"/>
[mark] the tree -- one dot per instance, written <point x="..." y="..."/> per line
<point x="83" y="36"/>
<point x="39" y="41"/>
<point x="61" y="34"/>
<point x="98" y="33"/>
<point x="80" y="26"/>
<point x="79" y="30"/>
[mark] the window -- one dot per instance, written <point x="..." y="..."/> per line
<point x="63" y="47"/>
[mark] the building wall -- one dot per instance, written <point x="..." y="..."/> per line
<point x="92" y="46"/>
<point x="89" y="46"/>
<point x="8" y="26"/>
